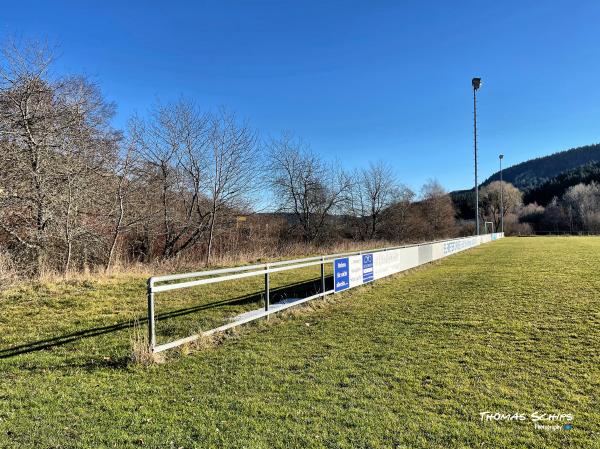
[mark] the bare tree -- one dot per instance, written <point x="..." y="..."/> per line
<point x="197" y="166"/>
<point x="232" y="169"/>
<point x="172" y="148"/>
<point x="582" y="204"/>
<point x="52" y="131"/>
<point x="396" y="219"/>
<point x="26" y="129"/>
<point x="123" y="211"/>
<point x="374" y="189"/>
<point x="304" y="185"/>
<point x="555" y="218"/>
<point x="436" y="212"/>
<point x="87" y="152"/>
<point x="489" y="197"/>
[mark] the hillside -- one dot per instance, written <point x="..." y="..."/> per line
<point x="534" y="172"/>
<point x="541" y="178"/>
<point x="556" y="186"/>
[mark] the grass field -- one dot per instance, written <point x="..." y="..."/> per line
<point x="408" y="362"/>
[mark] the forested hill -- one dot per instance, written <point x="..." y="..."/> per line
<point x="541" y="179"/>
<point x="534" y="172"/>
<point x="558" y="185"/>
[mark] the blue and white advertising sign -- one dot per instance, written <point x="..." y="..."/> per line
<point x="367" y="268"/>
<point x="347" y="272"/>
<point x="359" y="269"/>
<point x="341" y="274"/>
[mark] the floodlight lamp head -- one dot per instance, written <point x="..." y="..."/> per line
<point x="501" y="156"/>
<point x="476" y="82"/>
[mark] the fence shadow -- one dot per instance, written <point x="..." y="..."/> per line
<point x="296" y="290"/>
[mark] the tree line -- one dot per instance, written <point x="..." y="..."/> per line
<point x="184" y="183"/>
<point x="178" y="182"/>
<point x="574" y="211"/>
<point x="577" y="211"/>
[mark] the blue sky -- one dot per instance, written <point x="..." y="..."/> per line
<point x="360" y="81"/>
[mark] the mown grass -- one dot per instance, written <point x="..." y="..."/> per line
<point x="407" y="362"/>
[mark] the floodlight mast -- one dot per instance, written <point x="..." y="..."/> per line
<point x="500" y="157"/>
<point x="476" y="83"/>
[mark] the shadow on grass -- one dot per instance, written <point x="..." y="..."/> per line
<point x="297" y="290"/>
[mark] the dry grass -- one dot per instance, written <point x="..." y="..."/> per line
<point x="140" y="348"/>
<point x="8" y="272"/>
<point x="190" y="262"/>
<point x="126" y="270"/>
<point x="205" y="342"/>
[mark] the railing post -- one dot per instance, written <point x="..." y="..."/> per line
<point x="151" y="328"/>
<point x="323" y="275"/>
<point x="267" y="286"/>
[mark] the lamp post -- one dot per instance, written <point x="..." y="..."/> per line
<point x="476" y="83"/>
<point x="500" y="157"/>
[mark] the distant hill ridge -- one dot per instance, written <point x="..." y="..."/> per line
<point x="541" y="178"/>
<point x="534" y="172"/>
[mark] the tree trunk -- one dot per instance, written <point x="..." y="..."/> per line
<point x="211" y="233"/>
<point x="117" y="230"/>
<point x="39" y="229"/>
<point x="68" y="236"/>
<point x="210" y="240"/>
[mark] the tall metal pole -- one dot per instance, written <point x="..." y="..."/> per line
<point x="151" y="328"/>
<point x="267" y="289"/>
<point x="501" y="197"/>
<point x="476" y="83"/>
<point x="323" y="275"/>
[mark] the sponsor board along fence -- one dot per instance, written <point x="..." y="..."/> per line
<point x="349" y="270"/>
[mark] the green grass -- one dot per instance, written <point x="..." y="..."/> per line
<point x="408" y="362"/>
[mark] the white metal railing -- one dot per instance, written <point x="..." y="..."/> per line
<point x="165" y="283"/>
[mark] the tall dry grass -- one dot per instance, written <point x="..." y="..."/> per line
<point x="260" y="252"/>
<point x="8" y="272"/>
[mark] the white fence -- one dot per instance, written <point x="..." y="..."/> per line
<point x="349" y="270"/>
